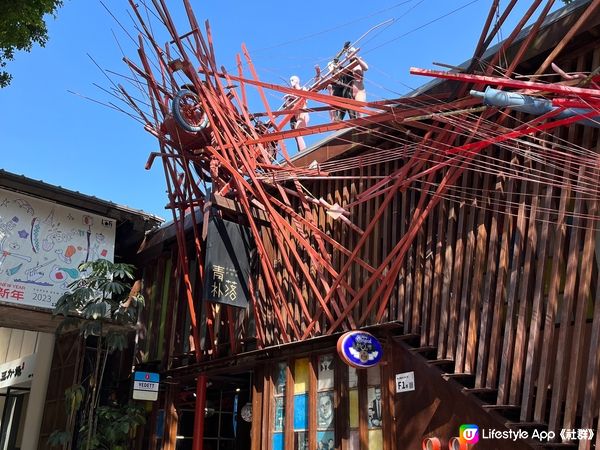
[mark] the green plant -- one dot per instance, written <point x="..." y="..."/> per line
<point x="21" y="25"/>
<point x="103" y="306"/>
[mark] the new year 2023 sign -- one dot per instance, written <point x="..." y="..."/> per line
<point x="42" y="245"/>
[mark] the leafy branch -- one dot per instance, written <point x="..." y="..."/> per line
<point x="102" y="305"/>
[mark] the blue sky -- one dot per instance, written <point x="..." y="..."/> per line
<point x="50" y="134"/>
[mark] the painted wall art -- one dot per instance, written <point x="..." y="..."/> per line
<point x="42" y="245"/>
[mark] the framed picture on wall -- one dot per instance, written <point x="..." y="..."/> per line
<point x="325" y="410"/>
<point x="279" y="414"/>
<point x="375" y="412"/>
<point x="325" y="440"/>
<point x="325" y="374"/>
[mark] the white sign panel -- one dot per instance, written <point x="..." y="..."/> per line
<point x="150" y="396"/>
<point x="17" y="372"/>
<point x="405" y="382"/>
<point x="42" y="245"/>
<point x="145" y="386"/>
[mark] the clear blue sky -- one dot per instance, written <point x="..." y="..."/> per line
<point x="49" y="134"/>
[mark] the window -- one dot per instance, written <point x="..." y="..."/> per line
<point x="321" y="403"/>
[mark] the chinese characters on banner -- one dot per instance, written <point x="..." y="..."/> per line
<point x="228" y="261"/>
<point x="42" y="245"/>
<point x="17" y="372"/>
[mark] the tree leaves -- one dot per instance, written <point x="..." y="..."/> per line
<point x="21" y="25"/>
<point x="102" y="296"/>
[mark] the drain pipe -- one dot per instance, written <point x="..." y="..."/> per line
<point x="532" y="105"/>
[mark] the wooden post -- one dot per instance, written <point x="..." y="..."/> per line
<point x="198" y="442"/>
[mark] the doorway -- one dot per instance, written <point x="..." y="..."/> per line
<point x="11" y="420"/>
<point x="226" y="425"/>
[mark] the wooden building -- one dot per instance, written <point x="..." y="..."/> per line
<point x="478" y="273"/>
<point x="45" y="232"/>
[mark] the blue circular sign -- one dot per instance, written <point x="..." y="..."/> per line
<point x="359" y="349"/>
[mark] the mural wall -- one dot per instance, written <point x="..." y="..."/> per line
<point x="42" y="245"/>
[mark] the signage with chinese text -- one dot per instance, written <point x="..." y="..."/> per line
<point x="42" y="245"/>
<point x="17" y="372"/>
<point x="228" y="260"/>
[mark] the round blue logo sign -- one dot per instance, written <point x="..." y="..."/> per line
<point x="359" y="349"/>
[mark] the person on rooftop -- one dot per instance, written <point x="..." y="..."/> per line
<point x="349" y="83"/>
<point x="299" y="120"/>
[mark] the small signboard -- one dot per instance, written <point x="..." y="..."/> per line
<point x="405" y="382"/>
<point x="145" y="386"/>
<point x="17" y="372"/>
<point x="228" y="260"/>
<point x="359" y="349"/>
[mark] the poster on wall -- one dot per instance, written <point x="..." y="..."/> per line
<point x="42" y="245"/>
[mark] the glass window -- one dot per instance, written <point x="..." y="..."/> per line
<point x="278" y="405"/>
<point x="326" y="402"/>
<point x="374" y="408"/>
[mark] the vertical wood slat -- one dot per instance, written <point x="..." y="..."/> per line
<point x="576" y="363"/>
<point x="402" y="274"/>
<point x="427" y="282"/>
<point x="459" y="251"/>
<point x="593" y="369"/>
<point x="479" y="267"/>
<point x="258" y="384"/>
<point x="447" y="279"/>
<point x="388" y="391"/>
<point x="395" y="230"/>
<point x="557" y="258"/>
<point x="533" y="345"/>
<point x="410" y="271"/>
<point x="288" y="426"/>
<point x="363" y="222"/>
<point x="363" y="414"/>
<point x="466" y="281"/>
<point x="565" y="327"/>
<point x="373" y="246"/>
<point x="524" y="299"/>
<point x="487" y="302"/>
<point x="591" y="398"/>
<point x="313" y="402"/>
<point x="499" y="294"/>
<point x="357" y="218"/>
<point x="418" y="284"/>
<point x="171" y="419"/>
<point x="506" y="359"/>
<point x="387" y="240"/>
<point x="438" y="276"/>
<point x="347" y="233"/>
<point x="575" y="366"/>
<point x="268" y="406"/>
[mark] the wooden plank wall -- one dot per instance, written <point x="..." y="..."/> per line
<point x="501" y="282"/>
<point x="502" y="278"/>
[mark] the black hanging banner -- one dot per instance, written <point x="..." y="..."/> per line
<point x="228" y="261"/>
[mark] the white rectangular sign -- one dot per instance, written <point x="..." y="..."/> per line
<point x="150" y="396"/>
<point x="145" y="386"/>
<point x="42" y="245"/>
<point x="405" y="382"/>
<point x="17" y="371"/>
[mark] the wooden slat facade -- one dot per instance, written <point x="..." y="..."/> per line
<point x="497" y="289"/>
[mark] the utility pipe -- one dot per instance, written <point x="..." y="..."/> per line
<point x="532" y="105"/>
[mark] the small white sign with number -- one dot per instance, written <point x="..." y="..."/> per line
<point x="405" y="382"/>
